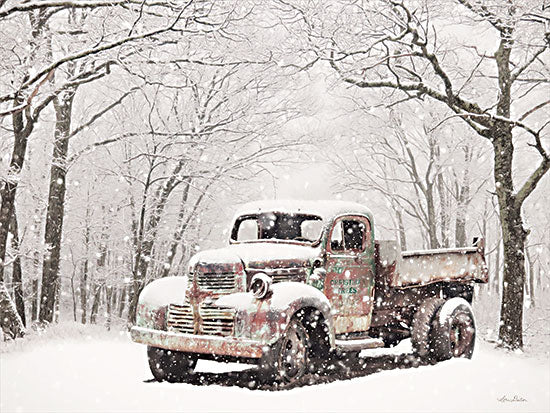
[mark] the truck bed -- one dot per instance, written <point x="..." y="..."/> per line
<point x="403" y="269"/>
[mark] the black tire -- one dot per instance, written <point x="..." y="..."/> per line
<point x="320" y="357"/>
<point x="453" y="330"/>
<point x="169" y="365"/>
<point x="288" y="359"/>
<point x="422" y="326"/>
<point x="391" y="339"/>
<point x="346" y="358"/>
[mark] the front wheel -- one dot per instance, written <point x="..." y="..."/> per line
<point x="169" y="365"/>
<point x="288" y="359"/>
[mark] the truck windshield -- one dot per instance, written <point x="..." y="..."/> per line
<point x="277" y="226"/>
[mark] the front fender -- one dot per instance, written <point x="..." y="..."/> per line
<point x="155" y="298"/>
<point x="266" y="319"/>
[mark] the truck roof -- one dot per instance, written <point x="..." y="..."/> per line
<point x="326" y="209"/>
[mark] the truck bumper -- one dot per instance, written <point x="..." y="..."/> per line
<point x="226" y="346"/>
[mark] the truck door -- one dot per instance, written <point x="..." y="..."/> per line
<point x="349" y="283"/>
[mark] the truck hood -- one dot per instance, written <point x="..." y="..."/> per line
<point x="258" y="255"/>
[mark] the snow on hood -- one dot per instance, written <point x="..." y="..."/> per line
<point x="255" y="254"/>
<point x="164" y="290"/>
<point x="217" y="256"/>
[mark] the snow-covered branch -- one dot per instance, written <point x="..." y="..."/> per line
<point x="102" y="48"/>
<point x="39" y="5"/>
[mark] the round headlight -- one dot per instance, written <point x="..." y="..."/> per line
<point x="260" y="285"/>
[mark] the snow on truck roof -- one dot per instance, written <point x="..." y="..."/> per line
<point x="326" y="209"/>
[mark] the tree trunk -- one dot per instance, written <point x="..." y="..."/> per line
<point x="85" y="270"/>
<point x="56" y="205"/>
<point x="73" y="294"/>
<point x="9" y="188"/>
<point x="531" y="283"/>
<point x="139" y="278"/>
<point x="17" y="278"/>
<point x="513" y="239"/>
<point x="180" y="231"/>
<point x="57" y="302"/>
<point x="496" y="279"/>
<point x="95" y="304"/>
<point x="401" y="229"/>
<point x="10" y="322"/>
<point x="148" y="234"/>
<point x="122" y="301"/>
<point x="36" y="263"/>
<point x="432" y="228"/>
<point x="108" y="301"/>
<point x="444" y="202"/>
<point x="34" y="305"/>
<point x="84" y="291"/>
<point x="460" y="226"/>
<point x="463" y="200"/>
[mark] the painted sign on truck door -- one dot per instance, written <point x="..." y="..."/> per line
<point x="349" y="284"/>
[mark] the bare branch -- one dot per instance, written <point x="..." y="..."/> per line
<point x="483" y="12"/>
<point x="516" y="73"/>
<point x="28" y="102"/>
<point x="532" y="181"/>
<point x="103" y="48"/>
<point x="534" y="109"/>
<point x="38" y="5"/>
<point x="101" y="113"/>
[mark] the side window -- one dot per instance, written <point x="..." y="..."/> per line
<point x="248" y="230"/>
<point x="350" y="235"/>
<point x="354" y="235"/>
<point x="337" y="238"/>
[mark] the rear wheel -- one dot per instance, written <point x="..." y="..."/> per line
<point x="169" y="365"/>
<point x="422" y="327"/>
<point x="453" y="330"/>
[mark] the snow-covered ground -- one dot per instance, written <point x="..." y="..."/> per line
<point x="110" y="373"/>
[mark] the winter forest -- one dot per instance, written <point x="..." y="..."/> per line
<point x="131" y="131"/>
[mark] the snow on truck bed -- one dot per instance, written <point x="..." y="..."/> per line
<point x="410" y="268"/>
<point x="110" y="374"/>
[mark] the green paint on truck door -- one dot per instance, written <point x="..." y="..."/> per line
<point x="349" y="283"/>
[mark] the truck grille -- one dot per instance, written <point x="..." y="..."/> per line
<point x="288" y="274"/>
<point x="217" y="321"/>
<point x="214" y="320"/>
<point x="222" y="282"/>
<point x="180" y="318"/>
<point x="279" y="278"/>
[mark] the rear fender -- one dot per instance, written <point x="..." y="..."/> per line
<point x="266" y="319"/>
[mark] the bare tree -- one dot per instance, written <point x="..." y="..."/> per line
<point x="417" y="173"/>
<point x="28" y="90"/>
<point x="395" y="47"/>
<point x="216" y="125"/>
<point x="17" y="277"/>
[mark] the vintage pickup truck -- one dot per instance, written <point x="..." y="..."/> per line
<point x="301" y="283"/>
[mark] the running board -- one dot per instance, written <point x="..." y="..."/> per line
<point x="356" y="345"/>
